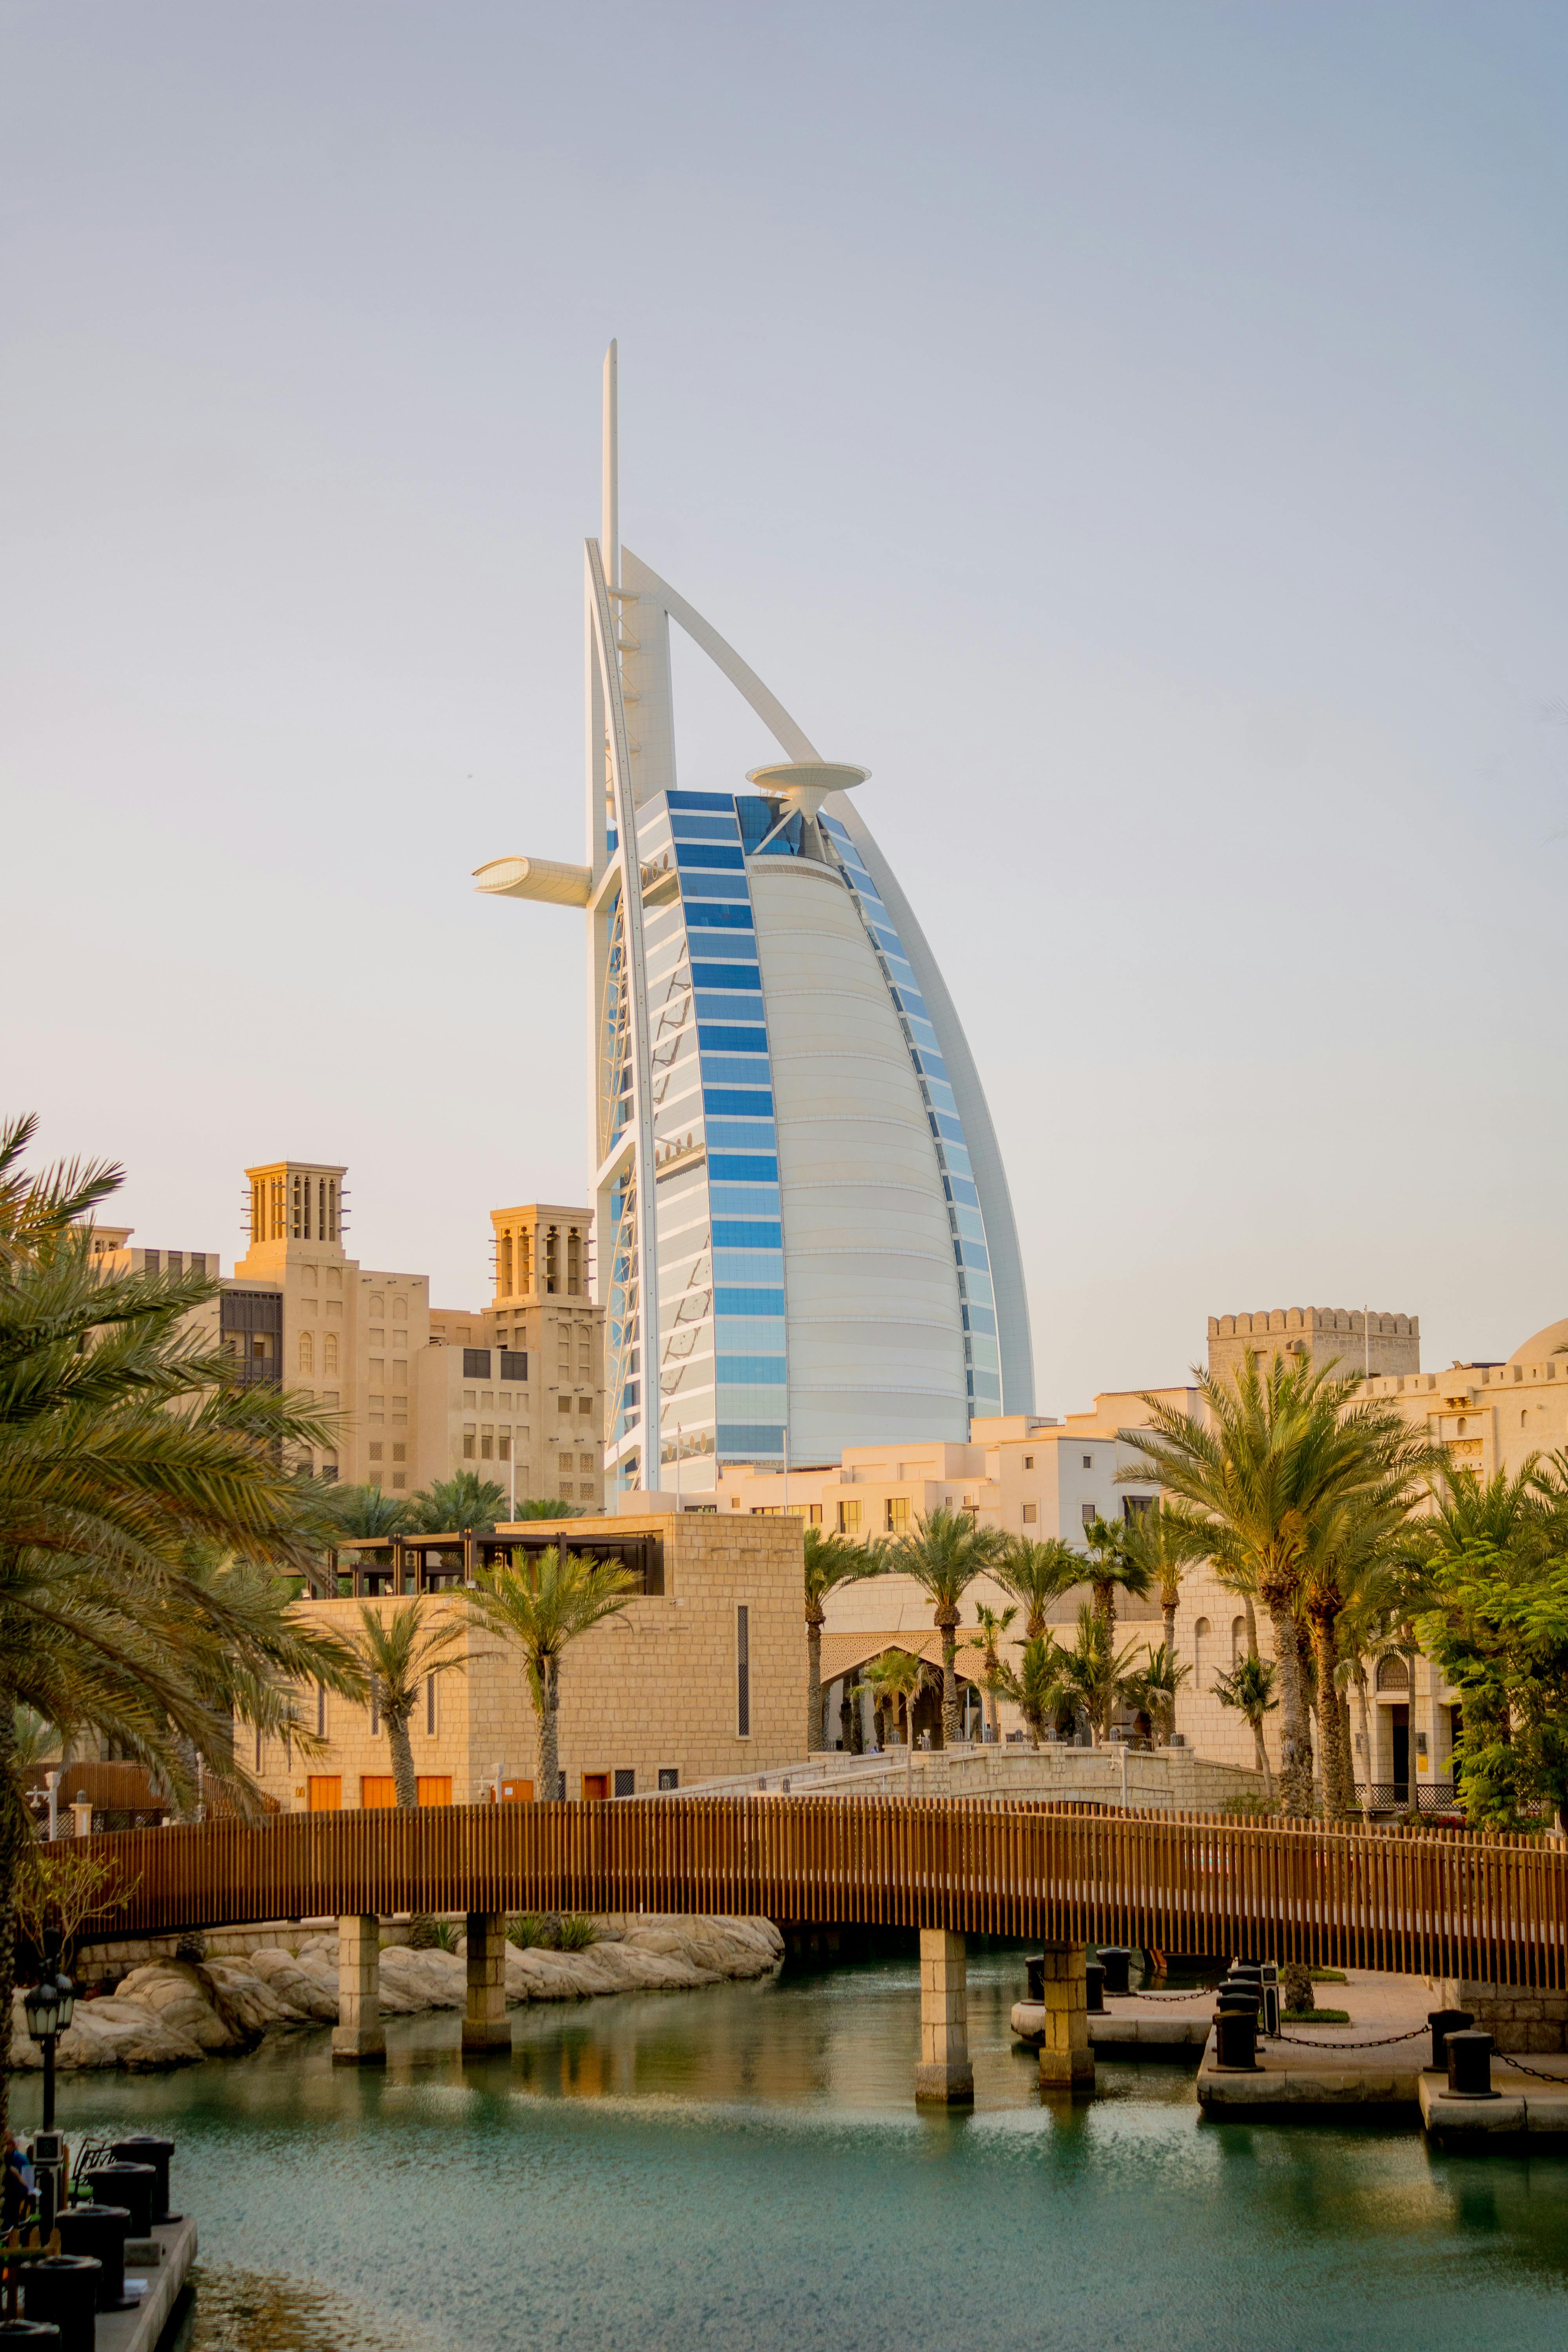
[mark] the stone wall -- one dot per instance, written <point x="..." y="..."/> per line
<point x="1516" y="2017"/>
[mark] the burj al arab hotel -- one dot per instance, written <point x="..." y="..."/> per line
<point x="805" y="1234"/>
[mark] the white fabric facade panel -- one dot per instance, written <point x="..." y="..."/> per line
<point x="875" y="1334"/>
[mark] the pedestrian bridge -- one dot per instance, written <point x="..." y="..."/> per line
<point x="1423" y="1902"/>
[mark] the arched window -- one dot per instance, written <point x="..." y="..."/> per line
<point x="1393" y="1673"/>
<point x="1238" y="1639"/>
<point x="1461" y="1424"/>
<point x="1203" y="1635"/>
<point x="307" y="1352"/>
<point x="377" y="1306"/>
<point x="400" y="1310"/>
<point x="330" y="1353"/>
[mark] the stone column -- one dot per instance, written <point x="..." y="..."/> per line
<point x="944" y="2073"/>
<point x="484" y="2018"/>
<point x="358" y="2039"/>
<point x="1066" y="2059"/>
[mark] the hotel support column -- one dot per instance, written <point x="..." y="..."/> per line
<point x="1067" y="2056"/>
<point x="484" y="2017"/>
<point x="944" y="2074"/>
<point x="358" y="2039"/>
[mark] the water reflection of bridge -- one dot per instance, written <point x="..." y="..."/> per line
<point x="1427" y="1901"/>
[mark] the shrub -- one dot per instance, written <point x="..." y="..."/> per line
<point x="577" y="1932"/>
<point x="530" y="1928"/>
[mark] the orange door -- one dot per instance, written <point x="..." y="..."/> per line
<point x="435" y="1788"/>
<point x="517" y="1793"/>
<point x="596" y="1785"/>
<point x="377" y="1791"/>
<point x="327" y="1793"/>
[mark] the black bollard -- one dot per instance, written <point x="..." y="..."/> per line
<point x="64" y="2288"/>
<point x="1117" y="1960"/>
<point x="37" y="2335"/>
<point x="1444" y="2021"/>
<point x="146" y="2148"/>
<point x="1235" y="2039"/>
<point x="1470" y="2066"/>
<point x="1094" y="1986"/>
<point x="99" y="2231"/>
<point x="1241" y="2000"/>
<point x="134" y="2186"/>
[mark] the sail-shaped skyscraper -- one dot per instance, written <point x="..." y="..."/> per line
<point x="805" y="1239"/>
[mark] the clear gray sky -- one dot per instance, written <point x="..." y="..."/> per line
<point x="1136" y="433"/>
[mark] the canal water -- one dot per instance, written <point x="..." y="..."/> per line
<point x="743" y="2169"/>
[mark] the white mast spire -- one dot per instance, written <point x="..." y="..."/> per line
<point x="610" y="532"/>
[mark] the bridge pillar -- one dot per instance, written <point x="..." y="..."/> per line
<point x="484" y="2018"/>
<point x="358" y="2037"/>
<point x="1067" y="2056"/>
<point x="944" y="2074"/>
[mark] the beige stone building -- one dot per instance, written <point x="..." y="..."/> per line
<point x="703" y="1677"/>
<point x="513" y="1389"/>
<point x="112" y="1250"/>
<point x="1354" y="1338"/>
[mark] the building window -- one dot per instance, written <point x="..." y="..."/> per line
<point x="198" y="1262"/>
<point x="467" y="1447"/>
<point x="476" y="1363"/>
<point x="1202" y="1632"/>
<point x="307" y="1352"/>
<point x="585" y="1404"/>
<point x="330" y="1353"/>
<point x="668" y="1777"/>
<point x="486" y="1448"/>
<point x="743" y="1671"/>
<point x="400" y="1453"/>
<point x="1031" y="1513"/>
<point x="374" y="1708"/>
<point x="850" y="1516"/>
<point x="1238" y="1641"/>
<point x="400" y="1478"/>
<point x="897" y="1515"/>
<point x="1029" y="1461"/>
<point x="1090" y="1513"/>
<point x="513" y="1365"/>
<point x="320" y="1710"/>
<point x="1089" y="1461"/>
<point x="625" y="1784"/>
<point x="503" y="1447"/>
<point x="430" y="1705"/>
<point x="375" y="1452"/>
<point x="585" y="1462"/>
<point x="565" y="1463"/>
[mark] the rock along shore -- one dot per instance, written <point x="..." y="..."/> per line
<point x="166" y="2011"/>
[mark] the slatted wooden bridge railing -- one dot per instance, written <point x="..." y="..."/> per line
<point x="1494" y="1909"/>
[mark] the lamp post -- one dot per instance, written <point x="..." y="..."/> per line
<point x="48" y="2007"/>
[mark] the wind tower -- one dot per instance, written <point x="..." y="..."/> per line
<point x="806" y="1235"/>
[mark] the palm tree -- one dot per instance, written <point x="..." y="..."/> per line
<point x="1250" y="1688"/>
<point x="543" y="1601"/>
<point x="830" y="1560"/>
<point x="1036" y="1574"/>
<point x="399" y="1652"/>
<point x="460" y="1506"/>
<point x="128" y="1456"/>
<point x="992" y="1633"/>
<point x="1276" y="1452"/>
<point x="896" y="1678"/>
<point x="1035" y="1685"/>
<point x="945" y="1552"/>
<point x="544" y="1507"/>
<point x="1110" y="1564"/>
<point x="1162" y="1542"/>
<point x="1158" y="1685"/>
<point x="1096" y="1674"/>
<point x="365" y="1511"/>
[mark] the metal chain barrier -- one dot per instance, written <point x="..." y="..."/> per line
<point x="1507" y="2058"/>
<point x="1204" y="1993"/>
<point x="1310" y="2041"/>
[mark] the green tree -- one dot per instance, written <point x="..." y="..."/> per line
<point x="895" y="1680"/>
<point x="830" y="1560"/>
<point x="1161" y="1544"/>
<point x="1274" y="1456"/>
<point x="365" y="1511"/>
<point x="1038" y="1573"/>
<point x="399" y="1652"/>
<point x="544" y="1507"/>
<point x="945" y="1552"/>
<point x="463" y="1505"/>
<point x="993" y="1629"/>
<point x="1158" y="1685"/>
<point x="1110" y="1566"/>
<point x="1097" y="1675"/>
<point x="1250" y="1688"/>
<point x="129" y="1456"/>
<point x="543" y="1601"/>
<point x="1036" y="1685"/>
